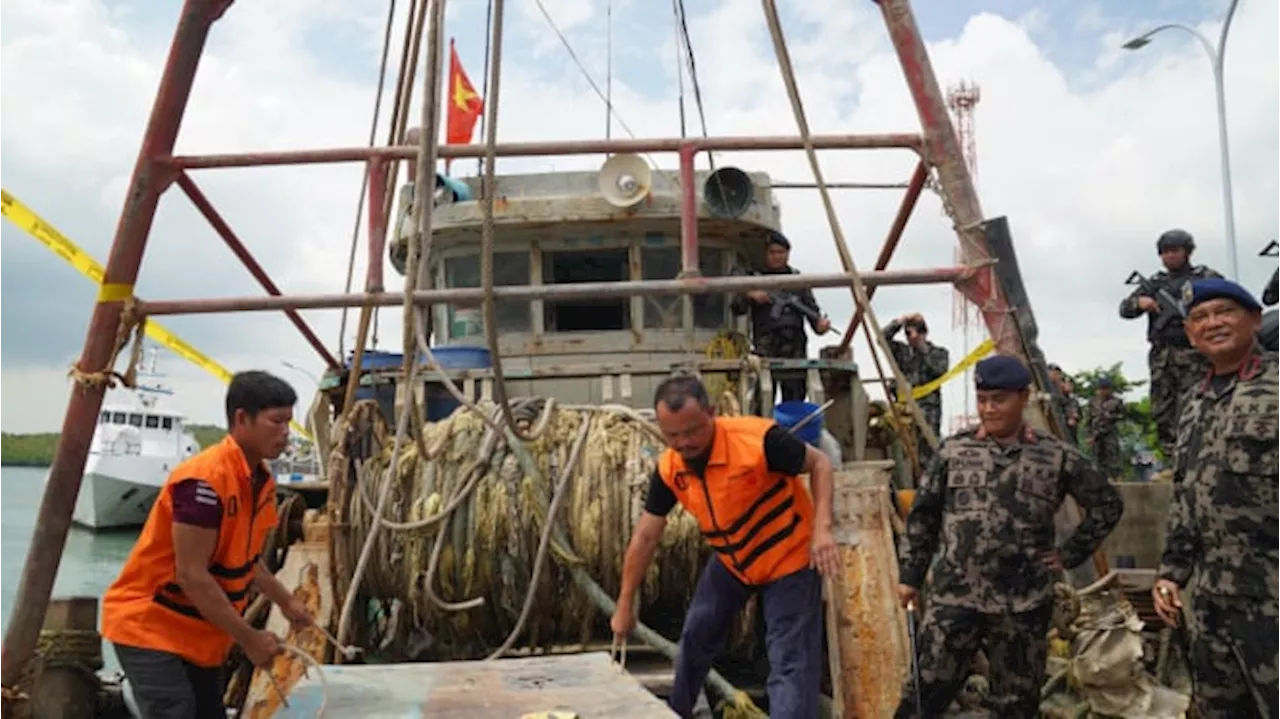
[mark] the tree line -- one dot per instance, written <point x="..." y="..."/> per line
<point x="36" y="449"/>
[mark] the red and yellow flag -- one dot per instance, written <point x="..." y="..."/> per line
<point x="464" y="103"/>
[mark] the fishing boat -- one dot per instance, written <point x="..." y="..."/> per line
<point x="483" y="481"/>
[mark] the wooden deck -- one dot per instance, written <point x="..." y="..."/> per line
<point x="588" y="685"/>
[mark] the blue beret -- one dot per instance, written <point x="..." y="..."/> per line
<point x="1001" y="372"/>
<point x="1218" y="288"/>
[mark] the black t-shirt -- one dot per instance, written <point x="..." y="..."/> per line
<point x="783" y="453"/>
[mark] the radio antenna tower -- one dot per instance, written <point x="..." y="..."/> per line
<point x="962" y="98"/>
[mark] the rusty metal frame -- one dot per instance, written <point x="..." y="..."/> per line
<point x="693" y="285"/>
<point x="228" y="236"/>
<point x="882" y="141"/>
<point x="915" y="186"/>
<point x="53" y="519"/>
<point x="157" y="166"/>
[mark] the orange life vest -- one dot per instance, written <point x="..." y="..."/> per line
<point x="760" y="523"/>
<point x="145" y="607"/>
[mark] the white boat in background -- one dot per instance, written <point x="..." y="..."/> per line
<point x="300" y="463"/>
<point x="137" y="443"/>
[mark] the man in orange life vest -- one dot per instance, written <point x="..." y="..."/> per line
<point x="176" y="608"/>
<point x="737" y="477"/>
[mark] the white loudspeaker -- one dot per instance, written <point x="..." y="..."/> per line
<point x="625" y="180"/>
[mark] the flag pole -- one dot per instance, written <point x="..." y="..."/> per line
<point x="448" y="93"/>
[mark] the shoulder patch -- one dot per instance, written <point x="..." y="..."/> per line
<point x="1188" y="293"/>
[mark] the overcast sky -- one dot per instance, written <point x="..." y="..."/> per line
<point x="1091" y="151"/>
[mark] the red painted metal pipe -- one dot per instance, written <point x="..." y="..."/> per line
<point x="958" y="192"/>
<point x="228" y="236"/>
<point x="378" y="212"/>
<point x="149" y="179"/>
<point x="954" y="181"/>
<point x="909" y="199"/>
<point x="689" y="266"/>
<point x="574" y="291"/>
<point x="906" y="141"/>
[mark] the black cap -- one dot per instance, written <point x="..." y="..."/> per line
<point x="1219" y="288"/>
<point x="1001" y="372"/>
<point x="777" y="238"/>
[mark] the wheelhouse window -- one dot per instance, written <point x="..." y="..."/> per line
<point x="135" y="420"/>
<point x="104" y="418"/>
<point x="561" y="267"/>
<point x="509" y="269"/>
<point x="166" y="423"/>
<point x="118" y="418"/>
<point x="710" y="312"/>
<point x="661" y="311"/>
<point x="153" y="422"/>
<point x="663" y="263"/>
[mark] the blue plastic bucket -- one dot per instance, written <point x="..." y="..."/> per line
<point x="376" y="360"/>
<point x="441" y="404"/>
<point x="789" y="414"/>
<point x="455" y="357"/>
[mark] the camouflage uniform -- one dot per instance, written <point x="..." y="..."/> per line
<point x="1066" y="403"/>
<point x="780" y="335"/>
<point x="920" y="368"/>
<point x="1104" y="434"/>
<point x="991" y="508"/>
<point x="1222" y="527"/>
<point x="1173" y="364"/>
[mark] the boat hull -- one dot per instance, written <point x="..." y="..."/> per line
<point x="108" y="501"/>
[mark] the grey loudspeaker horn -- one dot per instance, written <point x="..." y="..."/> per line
<point x="625" y="180"/>
<point x="728" y="192"/>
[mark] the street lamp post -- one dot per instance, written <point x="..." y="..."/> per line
<point x="310" y="375"/>
<point x="1217" y="57"/>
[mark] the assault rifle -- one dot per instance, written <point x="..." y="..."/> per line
<point x="1170" y="306"/>
<point x="782" y="299"/>
<point x="1269" y="334"/>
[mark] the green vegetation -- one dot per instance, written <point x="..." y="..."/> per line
<point x="208" y="434"/>
<point x="36" y="450"/>
<point x="1138" y="432"/>
<point x="27" y="450"/>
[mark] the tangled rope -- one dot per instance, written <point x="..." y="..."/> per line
<point x="474" y="523"/>
<point x="131" y="323"/>
<point x="727" y="345"/>
<point x="77" y="650"/>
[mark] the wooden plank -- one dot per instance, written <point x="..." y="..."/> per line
<point x="874" y="653"/>
<point x="306" y="573"/>
<point x="589" y="684"/>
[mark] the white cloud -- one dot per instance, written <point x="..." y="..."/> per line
<point x="1090" y="165"/>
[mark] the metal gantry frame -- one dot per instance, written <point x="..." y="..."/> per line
<point x="158" y="167"/>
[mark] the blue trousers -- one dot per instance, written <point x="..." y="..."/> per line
<point x="793" y="638"/>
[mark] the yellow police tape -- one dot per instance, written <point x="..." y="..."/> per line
<point x="31" y="223"/>
<point x="970" y="360"/>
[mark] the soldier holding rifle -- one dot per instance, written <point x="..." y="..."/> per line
<point x="1173" y="364"/>
<point x="778" y="318"/>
